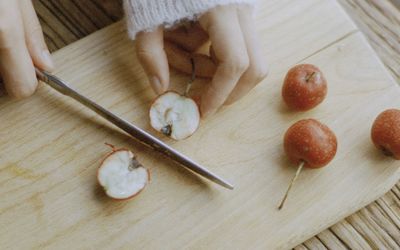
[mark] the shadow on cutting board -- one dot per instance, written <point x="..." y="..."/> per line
<point x="186" y="177"/>
<point x="284" y="162"/>
<point x="375" y="155"/>
<point x="283" y="109"/>
<point x="2" y="88"/>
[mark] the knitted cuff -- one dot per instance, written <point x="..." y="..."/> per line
<point x="146" y="15"/>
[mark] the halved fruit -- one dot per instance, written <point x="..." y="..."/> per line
<point x="175" y="115"/>
<point x="121" y="175"/>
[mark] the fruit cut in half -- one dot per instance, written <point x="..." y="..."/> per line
<point x="121" y="175"/>
<point x="175" y="115"/>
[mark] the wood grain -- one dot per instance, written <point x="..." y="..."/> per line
<point x="379" y="22"/>
<point x="66" y="21"/>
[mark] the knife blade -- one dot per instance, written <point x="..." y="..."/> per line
<point x="136" y="132"/>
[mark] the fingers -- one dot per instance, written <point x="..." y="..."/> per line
<point x="34" y="37"/>
<point x="190" y="38"/>
<point x="223" y="27"/>
<point x="212" y="54"/>
<point x="16" y="65"/>
<point x="180" y="60"/>
<point x="180" y="44"/>
<point x="151" y="54"/>
<point x="258" y="69"/>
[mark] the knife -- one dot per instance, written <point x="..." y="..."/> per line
<point x="131" y="129"/>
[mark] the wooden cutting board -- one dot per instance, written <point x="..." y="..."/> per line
<point x="51" y="147"/>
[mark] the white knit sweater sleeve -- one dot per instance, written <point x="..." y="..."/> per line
<point x="146" y="15"/>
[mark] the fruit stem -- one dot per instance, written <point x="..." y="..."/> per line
<point x="110" y="145"/>
<point x="299" y="168"/>
<point x="308" y="78"/>
<point x="189" y="85"/>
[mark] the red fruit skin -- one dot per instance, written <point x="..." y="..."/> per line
<point x="310" y="141"/>
<point x="385" y="132"/>
<point x="301" y="94"/>
<point x="114" y="150"/>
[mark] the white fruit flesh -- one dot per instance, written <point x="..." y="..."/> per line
<point x="175" y="115"/>
<point x="119" y="177"/>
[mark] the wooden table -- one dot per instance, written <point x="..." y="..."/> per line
<point x="376" y="226"/>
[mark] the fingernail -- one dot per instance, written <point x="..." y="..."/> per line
<point x="155" y="82"/>
<point x="48" y="61"/>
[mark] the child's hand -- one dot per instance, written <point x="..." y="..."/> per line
<point x="21" y="46"/>
<point x="240" y="62"/>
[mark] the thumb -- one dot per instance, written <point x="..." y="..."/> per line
<point x="34" y="37"/>
<point x="151" y="54"/>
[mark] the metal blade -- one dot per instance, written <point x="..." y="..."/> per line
<point x="131" y="129"/>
